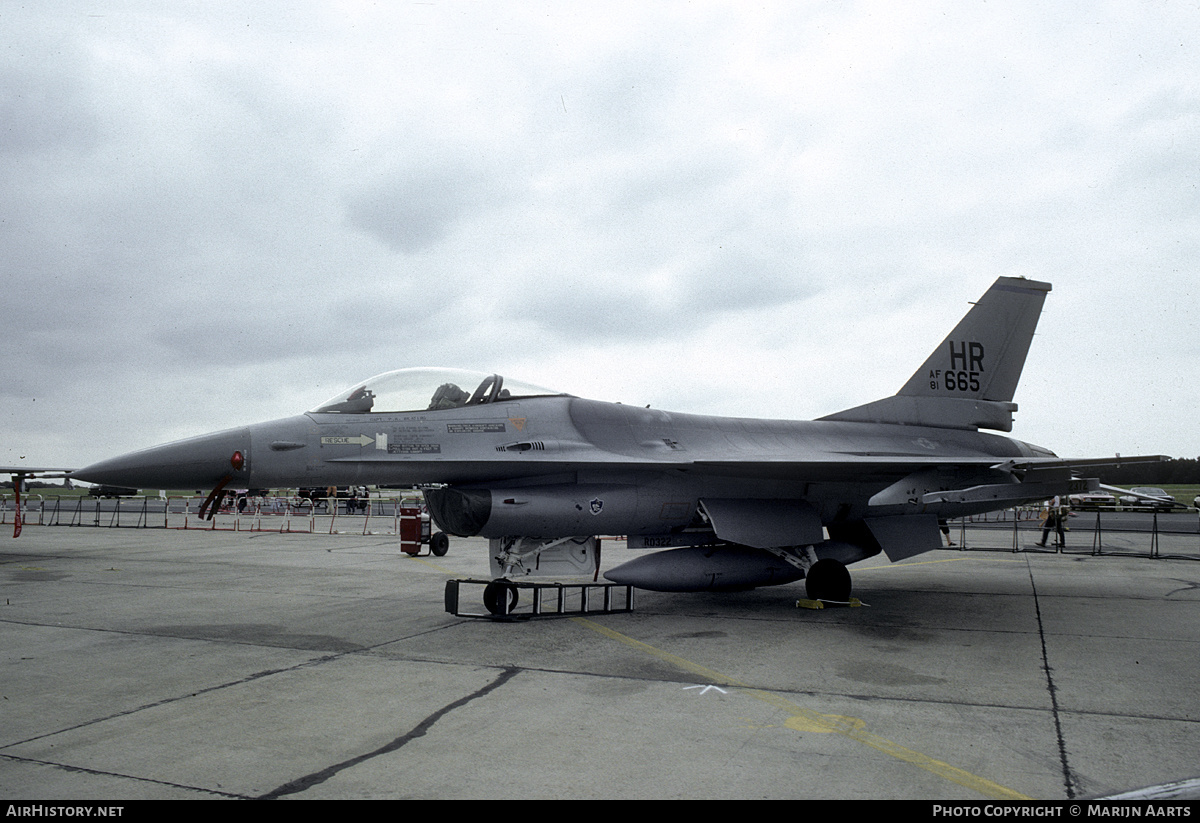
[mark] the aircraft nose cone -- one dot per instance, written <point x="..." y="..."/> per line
<point x="199" y="461"/>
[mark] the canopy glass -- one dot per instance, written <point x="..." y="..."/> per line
<point x="410" y="390"/>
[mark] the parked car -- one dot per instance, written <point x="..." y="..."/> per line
<point x="1148" y="498"/>
<point x="1092" y="501"/>
<point x="112" y="491"/>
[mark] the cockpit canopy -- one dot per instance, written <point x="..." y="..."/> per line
<point x="413" y="390"/>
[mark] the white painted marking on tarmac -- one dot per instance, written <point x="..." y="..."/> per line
<point x="705" y="689"/>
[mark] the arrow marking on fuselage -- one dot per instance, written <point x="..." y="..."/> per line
<point x="345" y="440"/>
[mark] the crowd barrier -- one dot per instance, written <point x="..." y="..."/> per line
<point x="376" y="515"/>
<point x="1101" y="532"/>
<point x="1014" y="530"/>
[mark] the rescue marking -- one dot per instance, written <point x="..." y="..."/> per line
<point x="474" y="428"/>
<point x="414" y="448"/>
<point x="345" y="440"/>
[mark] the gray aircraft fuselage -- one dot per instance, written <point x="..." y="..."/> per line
<point x="569" y="441"/>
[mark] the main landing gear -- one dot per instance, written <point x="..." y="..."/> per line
<point x="826" y="581"/>
<point x="829" y="581"/>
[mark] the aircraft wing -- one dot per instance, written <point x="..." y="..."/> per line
<point x="974" y="481"/>
<point x="32" y="470"/>
<point x="818" y="466"/>
<point x="850" y="466"/>
<point x="1044" y="463"/>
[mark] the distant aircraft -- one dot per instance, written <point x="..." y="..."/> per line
<point x="733" y="503"/>
<point x="20" y="475"/>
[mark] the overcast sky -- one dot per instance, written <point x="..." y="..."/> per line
<point x="214" y="214"/>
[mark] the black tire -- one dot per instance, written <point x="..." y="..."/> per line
<point x="439" y="544"/>
<point x="500" y="597"/>
<point x="828" y="580"/>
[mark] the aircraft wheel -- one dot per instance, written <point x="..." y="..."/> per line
<point x="439" y="544"/>
<point x="828" y="580"/>
<point x="500" y="597"/>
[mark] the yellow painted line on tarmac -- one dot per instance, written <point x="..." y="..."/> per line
<point x="903" y="565"/>
<point x="434" y="566"/>
<point x="806" y="720"/>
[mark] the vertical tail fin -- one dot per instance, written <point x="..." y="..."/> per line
<point x="970" y="379"/>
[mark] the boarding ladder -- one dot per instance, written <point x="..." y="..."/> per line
<point x="519" y="600"/>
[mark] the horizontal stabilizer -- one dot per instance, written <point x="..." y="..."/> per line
<point x="944" y="413"/>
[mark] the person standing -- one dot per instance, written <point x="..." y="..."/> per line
<point x="1054" y="520"/>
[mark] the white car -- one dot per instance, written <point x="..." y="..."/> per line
<point x="1149" y="498"/>
<point x="1092" y="501"/>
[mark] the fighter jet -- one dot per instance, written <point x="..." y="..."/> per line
<point x="731" y="503"/>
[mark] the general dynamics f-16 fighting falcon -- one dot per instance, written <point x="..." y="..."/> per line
<point x="732" y="503"/>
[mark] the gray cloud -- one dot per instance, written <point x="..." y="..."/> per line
<point x="412" y="210"/>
